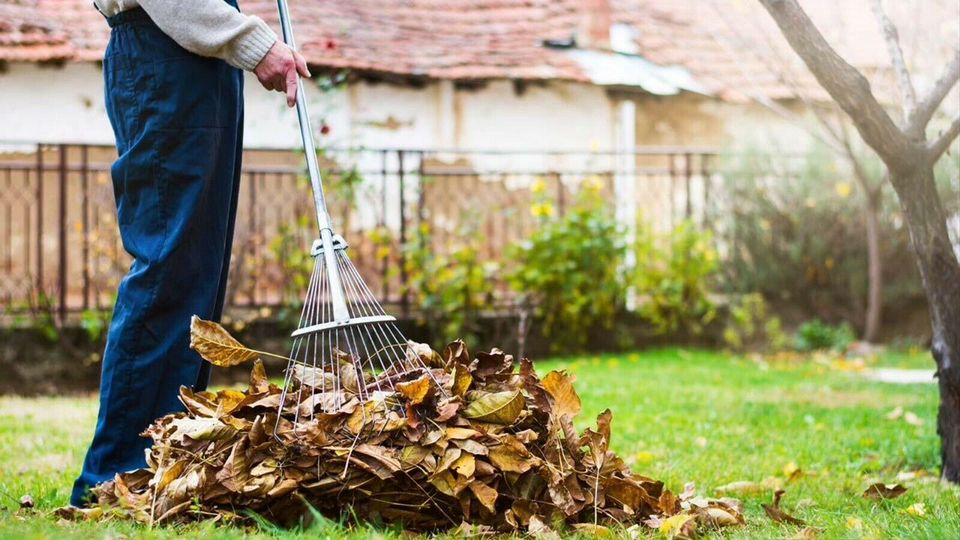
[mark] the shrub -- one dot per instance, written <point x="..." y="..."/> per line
<point x="750" y="323"/>
<point x="793" y="229"/>
<point x="673" y="278"/>
<point x="569" y="270"/>
<point x="451" y="291"/>
<point x="816" y="335"/>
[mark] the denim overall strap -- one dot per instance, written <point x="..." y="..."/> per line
<point x="178" y="120"/>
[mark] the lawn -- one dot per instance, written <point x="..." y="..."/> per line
<point x="679" y="416"/>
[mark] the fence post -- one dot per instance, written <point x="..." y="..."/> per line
<point x="405" y="289"/>
<point x="62" y="254"/>
<point x="85" y="221"/>
<point x="687" y="175"/>
<point x="39" y="220"/>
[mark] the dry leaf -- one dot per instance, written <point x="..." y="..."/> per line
<point x="559" y="385"/>
<point x="884" y="491"/>
<point x="777" y="514"/>
<point x="216" y="345"/>
<point x="416" y="391"/>
<point x="496" y="407"/>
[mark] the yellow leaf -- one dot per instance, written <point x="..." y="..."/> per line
<point x="416" y="391"/>
<point x="496" y="408"/>
<point x="674" y="525"/>
<point x="461" y="380"/>
<point x="792" y="471"/>
<point x="917" y="509"/>
<point x="559" y="385"/>
<point x="854" y="523"/>
<point x="465" y="465"/>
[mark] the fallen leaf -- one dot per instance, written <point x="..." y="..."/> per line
<point x="895" y="414"/>
<point x="777" y="514"/>
<point x="559" y="385"/>
<point x="854" y="523"/>
<point x="495" y="407"/>
<point x="917" y="509"/>
<point x="912" y="419"/>
<point x="679" y="526"/>
<point x="884" y="491"/>
<point x="416" y="391"/>
<point x="217" y="346"/>
<point x="26" y="501"/>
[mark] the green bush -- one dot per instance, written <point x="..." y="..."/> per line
<point x="815" y="335"/>
<point x="451" y="291"/>
<point x="751" y="324"/>
<point x="793" y="229"/>
<point x="569" y="270"/>
<point x="673" y="278"/>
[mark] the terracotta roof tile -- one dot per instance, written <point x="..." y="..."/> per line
<point x="717" y="41"/>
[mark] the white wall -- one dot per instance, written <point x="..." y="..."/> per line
<point x="53" y="104"/>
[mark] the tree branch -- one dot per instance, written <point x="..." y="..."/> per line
<point x="848" y="87"/>
<point x="936" y="148"/>
<point x="908" y="95"/>
<point x="929" y="104"/>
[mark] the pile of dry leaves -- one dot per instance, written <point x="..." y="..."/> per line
<point x="491" y="449"/>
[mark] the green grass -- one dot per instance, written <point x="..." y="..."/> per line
<point x="678" y="415"/>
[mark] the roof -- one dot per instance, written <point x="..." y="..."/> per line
<point x="717" y="47"/>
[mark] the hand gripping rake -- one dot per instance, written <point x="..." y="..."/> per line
<point x="345" y="346"/>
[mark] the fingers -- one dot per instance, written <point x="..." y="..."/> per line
<point x="301" y="64"/>
<point x="291" y="87"/>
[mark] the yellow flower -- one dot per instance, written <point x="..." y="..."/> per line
<point x="539" y="186"/>
<point x="843" y="189"/>
<point x="544" y="209"/>
<point x="593" y="183"/>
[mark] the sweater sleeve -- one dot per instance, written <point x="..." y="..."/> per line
<point x="213" y="28"/>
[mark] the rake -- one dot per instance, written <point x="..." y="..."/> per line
<point x="345" y="346"/>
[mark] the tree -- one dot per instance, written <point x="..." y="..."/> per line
<point x="909" y="158"/>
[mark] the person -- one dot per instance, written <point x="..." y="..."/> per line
<point x="173" y="78"/>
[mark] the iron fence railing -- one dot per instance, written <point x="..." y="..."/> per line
<point x="59" y="244"/>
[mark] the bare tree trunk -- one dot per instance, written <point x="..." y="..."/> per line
<point x="940" y="272"/>
<point x="871" y="212"/>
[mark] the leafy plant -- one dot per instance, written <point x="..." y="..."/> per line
<point x="751" y="323"/>
<point x="673" y="278"/>
<point x="570" y="270"/>
<point x="816" y="335"/>
<point x="452" y="290"/>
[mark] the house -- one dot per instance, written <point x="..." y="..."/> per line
<point x="498" y="91"/>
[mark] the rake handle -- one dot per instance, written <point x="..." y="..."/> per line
<point x="337" y="296"/>
<point x="306" y="132"/>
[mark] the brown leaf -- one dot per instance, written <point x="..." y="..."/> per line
<point x="559" y="385"/>
<point x="217" y="346"/>
<point x="512" y="456"/>
<point x="884" y="491"/>
<point x="496" y="407"/>
<point x="775" y="513"/>
<point x="485" y="494"/>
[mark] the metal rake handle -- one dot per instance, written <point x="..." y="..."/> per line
<point x="337" y="296"/>
<point x="306" y="132"/>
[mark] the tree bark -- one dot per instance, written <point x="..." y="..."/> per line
<point x="871" y="210"/>
<point x="940" y="273"/>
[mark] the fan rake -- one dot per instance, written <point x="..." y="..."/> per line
<point x="345" y="346"/>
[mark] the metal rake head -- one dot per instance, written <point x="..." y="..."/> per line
<point x="345" y="347"/>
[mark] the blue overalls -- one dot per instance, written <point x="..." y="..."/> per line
<point x="178" y="122"/>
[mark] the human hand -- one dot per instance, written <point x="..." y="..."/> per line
<point x="278" y="70"/>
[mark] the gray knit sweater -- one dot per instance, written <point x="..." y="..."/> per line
<point x="205" y="27"/>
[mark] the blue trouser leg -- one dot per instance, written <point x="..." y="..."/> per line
<point x="178" y="120"/>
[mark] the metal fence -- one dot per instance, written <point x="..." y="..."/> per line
<point x="59" y="245"/>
